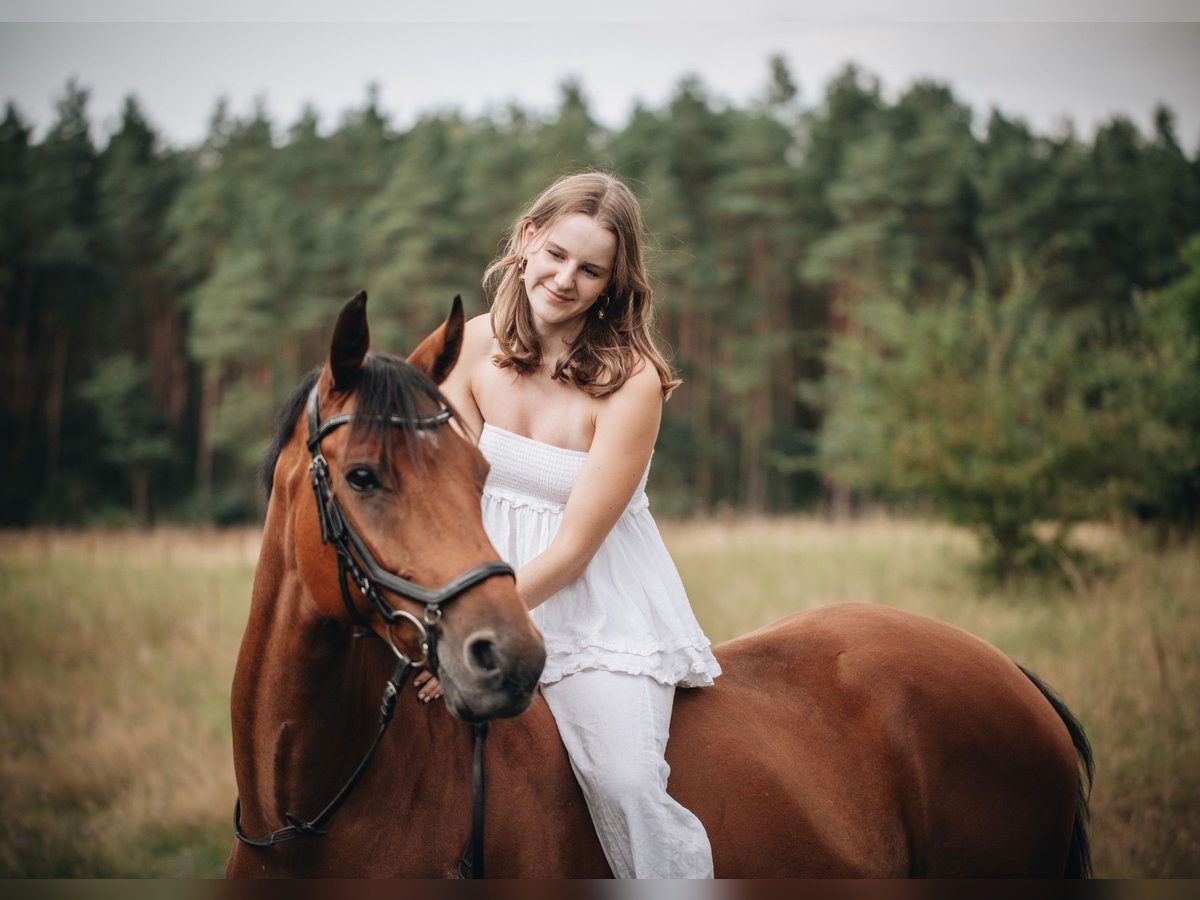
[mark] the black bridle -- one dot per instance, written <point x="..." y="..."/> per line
<point x="356" y="560"/>
<point x="358" y="565"/>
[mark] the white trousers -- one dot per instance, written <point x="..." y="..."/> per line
<point x="615" y="729"/>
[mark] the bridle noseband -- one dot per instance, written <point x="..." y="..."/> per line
<point x="356" y="561"/>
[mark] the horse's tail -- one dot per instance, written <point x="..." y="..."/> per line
<point x="1079" y="856"/>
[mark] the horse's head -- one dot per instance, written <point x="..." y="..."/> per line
<point x="385" y="514"/>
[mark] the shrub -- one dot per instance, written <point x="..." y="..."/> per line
<point x="998" y="412"/>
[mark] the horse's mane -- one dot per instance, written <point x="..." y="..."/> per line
<point x="388" y="386"/>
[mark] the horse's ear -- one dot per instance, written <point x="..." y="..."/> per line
<point x="351" y="338"/>
<point x="437" y="354"/>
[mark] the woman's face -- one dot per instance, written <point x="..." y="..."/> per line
<point x="569" y="265"/>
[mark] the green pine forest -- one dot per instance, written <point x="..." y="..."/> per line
<point x="872" y="299"/>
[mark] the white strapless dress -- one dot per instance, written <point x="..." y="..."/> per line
<point x="628" y="612"/>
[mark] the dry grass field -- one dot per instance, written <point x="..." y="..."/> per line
<point x="117" y="650"/>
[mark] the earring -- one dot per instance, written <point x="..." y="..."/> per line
<point x="602" y="312"/>
<point x="521" y="267"/>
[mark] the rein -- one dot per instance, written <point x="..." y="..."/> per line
<point x="356" y="561"/>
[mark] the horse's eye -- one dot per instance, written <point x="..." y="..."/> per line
<point x="362" y="479"/>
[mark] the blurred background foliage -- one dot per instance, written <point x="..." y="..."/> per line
<point x="871" y="301"/>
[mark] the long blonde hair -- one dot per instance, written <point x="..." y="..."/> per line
<point x="608" y="350"/>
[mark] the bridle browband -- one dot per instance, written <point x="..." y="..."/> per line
<point x="356" y="561"/>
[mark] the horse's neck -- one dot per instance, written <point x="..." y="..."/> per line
<point x="304" y="701"/>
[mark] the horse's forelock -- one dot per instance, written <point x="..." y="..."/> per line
<point x="391" y="387"/>
<point x="388" y="387"/>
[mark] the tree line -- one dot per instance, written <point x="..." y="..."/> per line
<point x="809" y="260"/>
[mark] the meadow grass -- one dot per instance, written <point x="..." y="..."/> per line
<point x="115" y="663"/>
<point x="117" y="653"/>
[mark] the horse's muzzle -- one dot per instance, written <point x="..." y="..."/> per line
<point x="489" y="677"/>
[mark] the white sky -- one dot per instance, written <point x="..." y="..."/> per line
<point x="1045" y="61"/>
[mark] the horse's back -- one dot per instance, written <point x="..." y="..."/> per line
<point x="875" y="742"/>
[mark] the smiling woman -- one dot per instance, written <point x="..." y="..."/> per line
<point x="581" y="241"/>
<point x="566" y="272"/>
<point x="564" y="387"/>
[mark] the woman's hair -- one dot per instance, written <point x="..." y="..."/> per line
<point x="608" y="350"/>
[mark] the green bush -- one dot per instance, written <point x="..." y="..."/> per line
<point x="1167" y="389"/>
<point x="1005" y="417"/>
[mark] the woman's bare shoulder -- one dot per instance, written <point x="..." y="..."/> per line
<point x="639" y="396"/>
<point x="643" y="382"/>
<point x="478" y="340"/>
<point x="479" y="327"/>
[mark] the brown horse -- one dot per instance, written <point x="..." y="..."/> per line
<point x="846" y="740"/>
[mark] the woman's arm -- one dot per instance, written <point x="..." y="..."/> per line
<point x="626" y="428"/>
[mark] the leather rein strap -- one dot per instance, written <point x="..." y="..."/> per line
<point x="312" y="828"/>
<point x="356" y="561"/>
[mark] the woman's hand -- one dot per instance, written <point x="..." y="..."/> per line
<point x="428" y="687"/>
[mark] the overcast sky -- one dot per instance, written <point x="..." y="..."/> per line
<point x="1045" y="61"/>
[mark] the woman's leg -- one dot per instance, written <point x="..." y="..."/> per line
<point x="615" y="730"/>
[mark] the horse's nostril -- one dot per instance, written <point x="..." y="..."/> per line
<point x="483" y="655"/>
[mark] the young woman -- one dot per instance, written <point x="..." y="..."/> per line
<point x="563" y="387"/>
